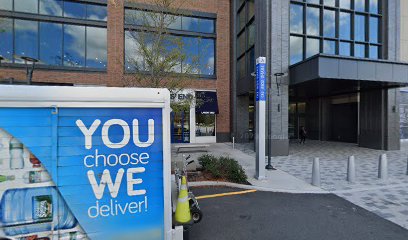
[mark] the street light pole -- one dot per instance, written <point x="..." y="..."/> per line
<point x="277" y="75"/>
<point x="29" y="69"/>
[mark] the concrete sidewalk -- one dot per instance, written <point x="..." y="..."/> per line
<point x="276" y="181"/>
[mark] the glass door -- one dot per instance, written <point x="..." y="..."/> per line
<point x="180" y="127"/>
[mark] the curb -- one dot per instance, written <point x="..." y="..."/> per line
<point x="251" y="187"/>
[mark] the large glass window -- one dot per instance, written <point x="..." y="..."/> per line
<point x="359" y="28"/>
<point x="205" y="125"/>
<point x="345" y="49"/>
<point x="359" y="50"/>
<point x="74" y="46"/>
<point x="6" y="5"/>
<point x="374" y="52"/>
<point x="373" y="6"/>
<point x="51" y="7"/>
<point x="359" y="5"/>
<point x="207" y="58"/>
<point x="296" y="49"/>
<point x="251" y="35"/>
<point x="64" y="44"/>
<point x="296" y="18"/>
<point x="374" y="29"/>
<point x="51" y="43"/>
<point x="26" y="39"/>
<point x="96" y="45"/>
<point x="329" y="21"/>
<point x="198" y="50"/>
<point x="97" y="12"/>
<point x="6" y="39"/>
<point x="312" y="47"/>
<point x="345" y="26"/>
<point x="329" y="47"/>
<point x="74" y="10"/>
<point x="27" y="6"/>
<point x="312" y="21"/>
<point x="345" y="4"/>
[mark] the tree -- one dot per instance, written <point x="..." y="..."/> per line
<point x="158" y="59"/>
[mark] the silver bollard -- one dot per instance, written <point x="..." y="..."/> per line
<point x="407" y="166"/>
<point x="383" y="167"/>
<point x="351" y="170"/>
<point x="316" y="172"/>
<point x="233" y="142"/>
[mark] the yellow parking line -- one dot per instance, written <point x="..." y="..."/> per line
<point x="225" y="194"/>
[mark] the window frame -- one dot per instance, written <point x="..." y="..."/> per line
<point x="337" y="9"/>
<point x="174" y="32"/>
<point x="59" y="20"/>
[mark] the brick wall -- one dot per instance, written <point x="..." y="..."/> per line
<point x="115" y="71"/>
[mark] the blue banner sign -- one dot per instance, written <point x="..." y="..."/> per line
<point x="82" y="173"/>
<point x="261" y="79"/>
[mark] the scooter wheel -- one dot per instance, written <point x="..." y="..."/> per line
<point x="196" y="214"/>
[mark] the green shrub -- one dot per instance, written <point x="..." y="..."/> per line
<point x="223" y="168"/>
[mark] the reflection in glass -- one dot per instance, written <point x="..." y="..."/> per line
<point x="251" y="35"/>
<point x="207" y="58"/>
<point x="329" y="20"/>
<point x="26" y="38"/>
<point x="96" y="12"/>
<point x="345" y="4"/>
<point x="374" y="52"/>
<point x="241" y="43"/>
<point x="345" y="26"/>
<point x="373" y="6"/>
<point x="74" y="46"/>
<point x="359" y="50"/>
<point x="296" y="49"/>
<point x="374" y="29"/>
<point x="241" y="19"/>
<point x="190" y="51"/>
<point x="6" y="5"/>
<point x="206" y="25"/>
<point x="51" y="43"/>
<point x="51" y="7"/>
<point x="312" y="21"/>
<point x="205" y="124"/>
<point x="331" y="3"/>
<point x="133" y="60"/>
<point x="251" y="61"/>
<point x="96" y="47"/>
<point x="296" y="18"/>
<point x="190" y="24"/>
<point x="345" y="49"/>
<point x="241" y="67"/>
<point x="313" y="1"/>
<point x="359" y="5"/>
<point x="28" y="6"/>
<point x="251" y="9"/>
<point x="312" y="47"/>
<point x="74" y="10"/>
<point x="172" y="21"/>
<point x="6" y="39"/>
<point x="329" y="47"/>
<point x="359" y="28"/>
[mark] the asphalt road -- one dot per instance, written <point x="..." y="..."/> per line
<point x="282" y="216"/>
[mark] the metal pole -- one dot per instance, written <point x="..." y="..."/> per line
<point x="260" y="117"/>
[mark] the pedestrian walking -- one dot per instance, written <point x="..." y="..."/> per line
<point x="302" y="135"/>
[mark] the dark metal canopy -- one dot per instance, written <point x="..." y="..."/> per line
<point x="329" y="74"/>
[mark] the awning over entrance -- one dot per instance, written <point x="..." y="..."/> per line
<point x="206" y="102"/>
<point x="328" y="74"/>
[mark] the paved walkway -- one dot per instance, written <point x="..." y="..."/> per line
<point x="388" y="199"/>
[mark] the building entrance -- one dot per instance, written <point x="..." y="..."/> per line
<point x="180" y="127"/>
